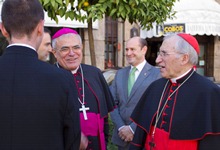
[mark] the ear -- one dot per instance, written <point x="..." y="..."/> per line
<point x="144" y="49"/>
<point x="54" y="52"/>
<point x="185" y="59"/>
<point x="4" y="31"/>
<point x="40" y="28"/>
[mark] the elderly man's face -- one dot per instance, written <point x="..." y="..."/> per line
<point x="169" y="60"/>
<point x="68" y="51"/>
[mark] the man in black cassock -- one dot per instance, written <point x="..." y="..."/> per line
<point x="182" y="109"/>
<point x="37" y="101"/>
<point x="94" y="97"/>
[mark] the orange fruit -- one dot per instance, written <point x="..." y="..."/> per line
<point x="86" y="4"/>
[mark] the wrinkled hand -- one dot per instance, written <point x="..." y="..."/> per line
<point x="126" y="134"/>
<point x="84" y="142"/>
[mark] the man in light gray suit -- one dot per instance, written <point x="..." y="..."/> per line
<point x="145" y="74"/>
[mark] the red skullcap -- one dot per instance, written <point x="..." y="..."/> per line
<point x="191" y="40"/>
<point x="63" y="31"/>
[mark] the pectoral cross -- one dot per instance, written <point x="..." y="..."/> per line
<point x="152" y="145"/>
<point x="84" y="109"/>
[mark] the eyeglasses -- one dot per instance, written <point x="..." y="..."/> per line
<point x="66" y="50"/>
<point x="164" y="53"/>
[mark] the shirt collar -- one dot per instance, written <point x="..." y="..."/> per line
<point x="19" y="44"/>
<point x="74" y="71"/>
<point x="140" y="66"/>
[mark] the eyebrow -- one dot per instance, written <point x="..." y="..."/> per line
<point x="164" y="51"/>
<point x="129" y="48"/>
<point x="76" y="46"/>
<point x="64" y="47"/>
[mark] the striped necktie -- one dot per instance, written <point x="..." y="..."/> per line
<point x="131" y="79"/>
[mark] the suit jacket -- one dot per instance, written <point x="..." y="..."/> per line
<point x="126" y="104"/>
<point x="37" y="106"/>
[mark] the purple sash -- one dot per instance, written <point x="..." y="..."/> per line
<point x="94" y="126"/>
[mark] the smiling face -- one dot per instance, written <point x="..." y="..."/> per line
<point x="135" y="54"/>
<point x="68" y="51"/>
<point x="171" y="62"/>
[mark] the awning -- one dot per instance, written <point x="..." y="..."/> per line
<point x="193" y="16"/>
<point x="62" y="22"/>
<point x="67" y="23"/>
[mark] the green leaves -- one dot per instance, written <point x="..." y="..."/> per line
<point x="145" y="12"/>
<point x="59" y="2"/>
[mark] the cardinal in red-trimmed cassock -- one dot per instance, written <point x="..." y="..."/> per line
<point x="180" y="111"/>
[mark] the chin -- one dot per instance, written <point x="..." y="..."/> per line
<point x="163" y="75"/>
<point x="71" y="67"/>
<point x="131" y="63"/>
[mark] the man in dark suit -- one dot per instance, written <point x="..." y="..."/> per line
<point x="37" y="101"/>
<point x="127" y="98"/>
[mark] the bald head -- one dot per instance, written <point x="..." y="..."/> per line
<point x="142" y="42"/>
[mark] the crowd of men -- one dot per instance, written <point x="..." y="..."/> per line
<point x="68" y="105"/>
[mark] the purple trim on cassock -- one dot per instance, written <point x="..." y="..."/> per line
<point x="94" y="126"/>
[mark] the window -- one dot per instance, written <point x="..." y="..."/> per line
<point x="111" y="42"/>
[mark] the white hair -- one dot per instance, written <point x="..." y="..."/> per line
<point x="54" y="41"/>
<point x="184" y="47"/>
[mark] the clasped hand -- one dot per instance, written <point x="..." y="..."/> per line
<point x="126" y="134"/>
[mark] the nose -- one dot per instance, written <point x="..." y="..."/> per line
<point x="71" y="52"/>
<point x="50" y="48"/>
<point x="158" y="59"/>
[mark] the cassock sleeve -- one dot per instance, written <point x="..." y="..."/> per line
<point x="106" y="130"/>
<point x="108" y="95"/>
<point x="210" y="142"/>
<point x="139" y="139"/>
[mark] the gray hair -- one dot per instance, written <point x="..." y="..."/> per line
<point x="54" y="41"/>
<point x="184" y="47"/>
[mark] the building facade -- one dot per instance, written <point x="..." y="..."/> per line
<point x="200" y="18"/>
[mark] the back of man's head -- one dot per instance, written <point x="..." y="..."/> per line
<point x="20" y="17"/>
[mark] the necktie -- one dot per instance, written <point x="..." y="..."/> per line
<point x="131" y="79"/>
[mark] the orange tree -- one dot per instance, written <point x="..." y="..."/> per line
<point x="143" y="12"/>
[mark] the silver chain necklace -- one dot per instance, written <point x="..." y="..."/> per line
<point x="83" y="108"/>
<point x="158" y="112"/>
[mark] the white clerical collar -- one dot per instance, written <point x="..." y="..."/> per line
<point x="74" y="71"/>
<point x="20" y="44"/>
<point x="173" y="80"/>
<point x="140" y="66"/>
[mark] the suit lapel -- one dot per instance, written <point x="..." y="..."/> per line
<point x="125" y="81"/>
